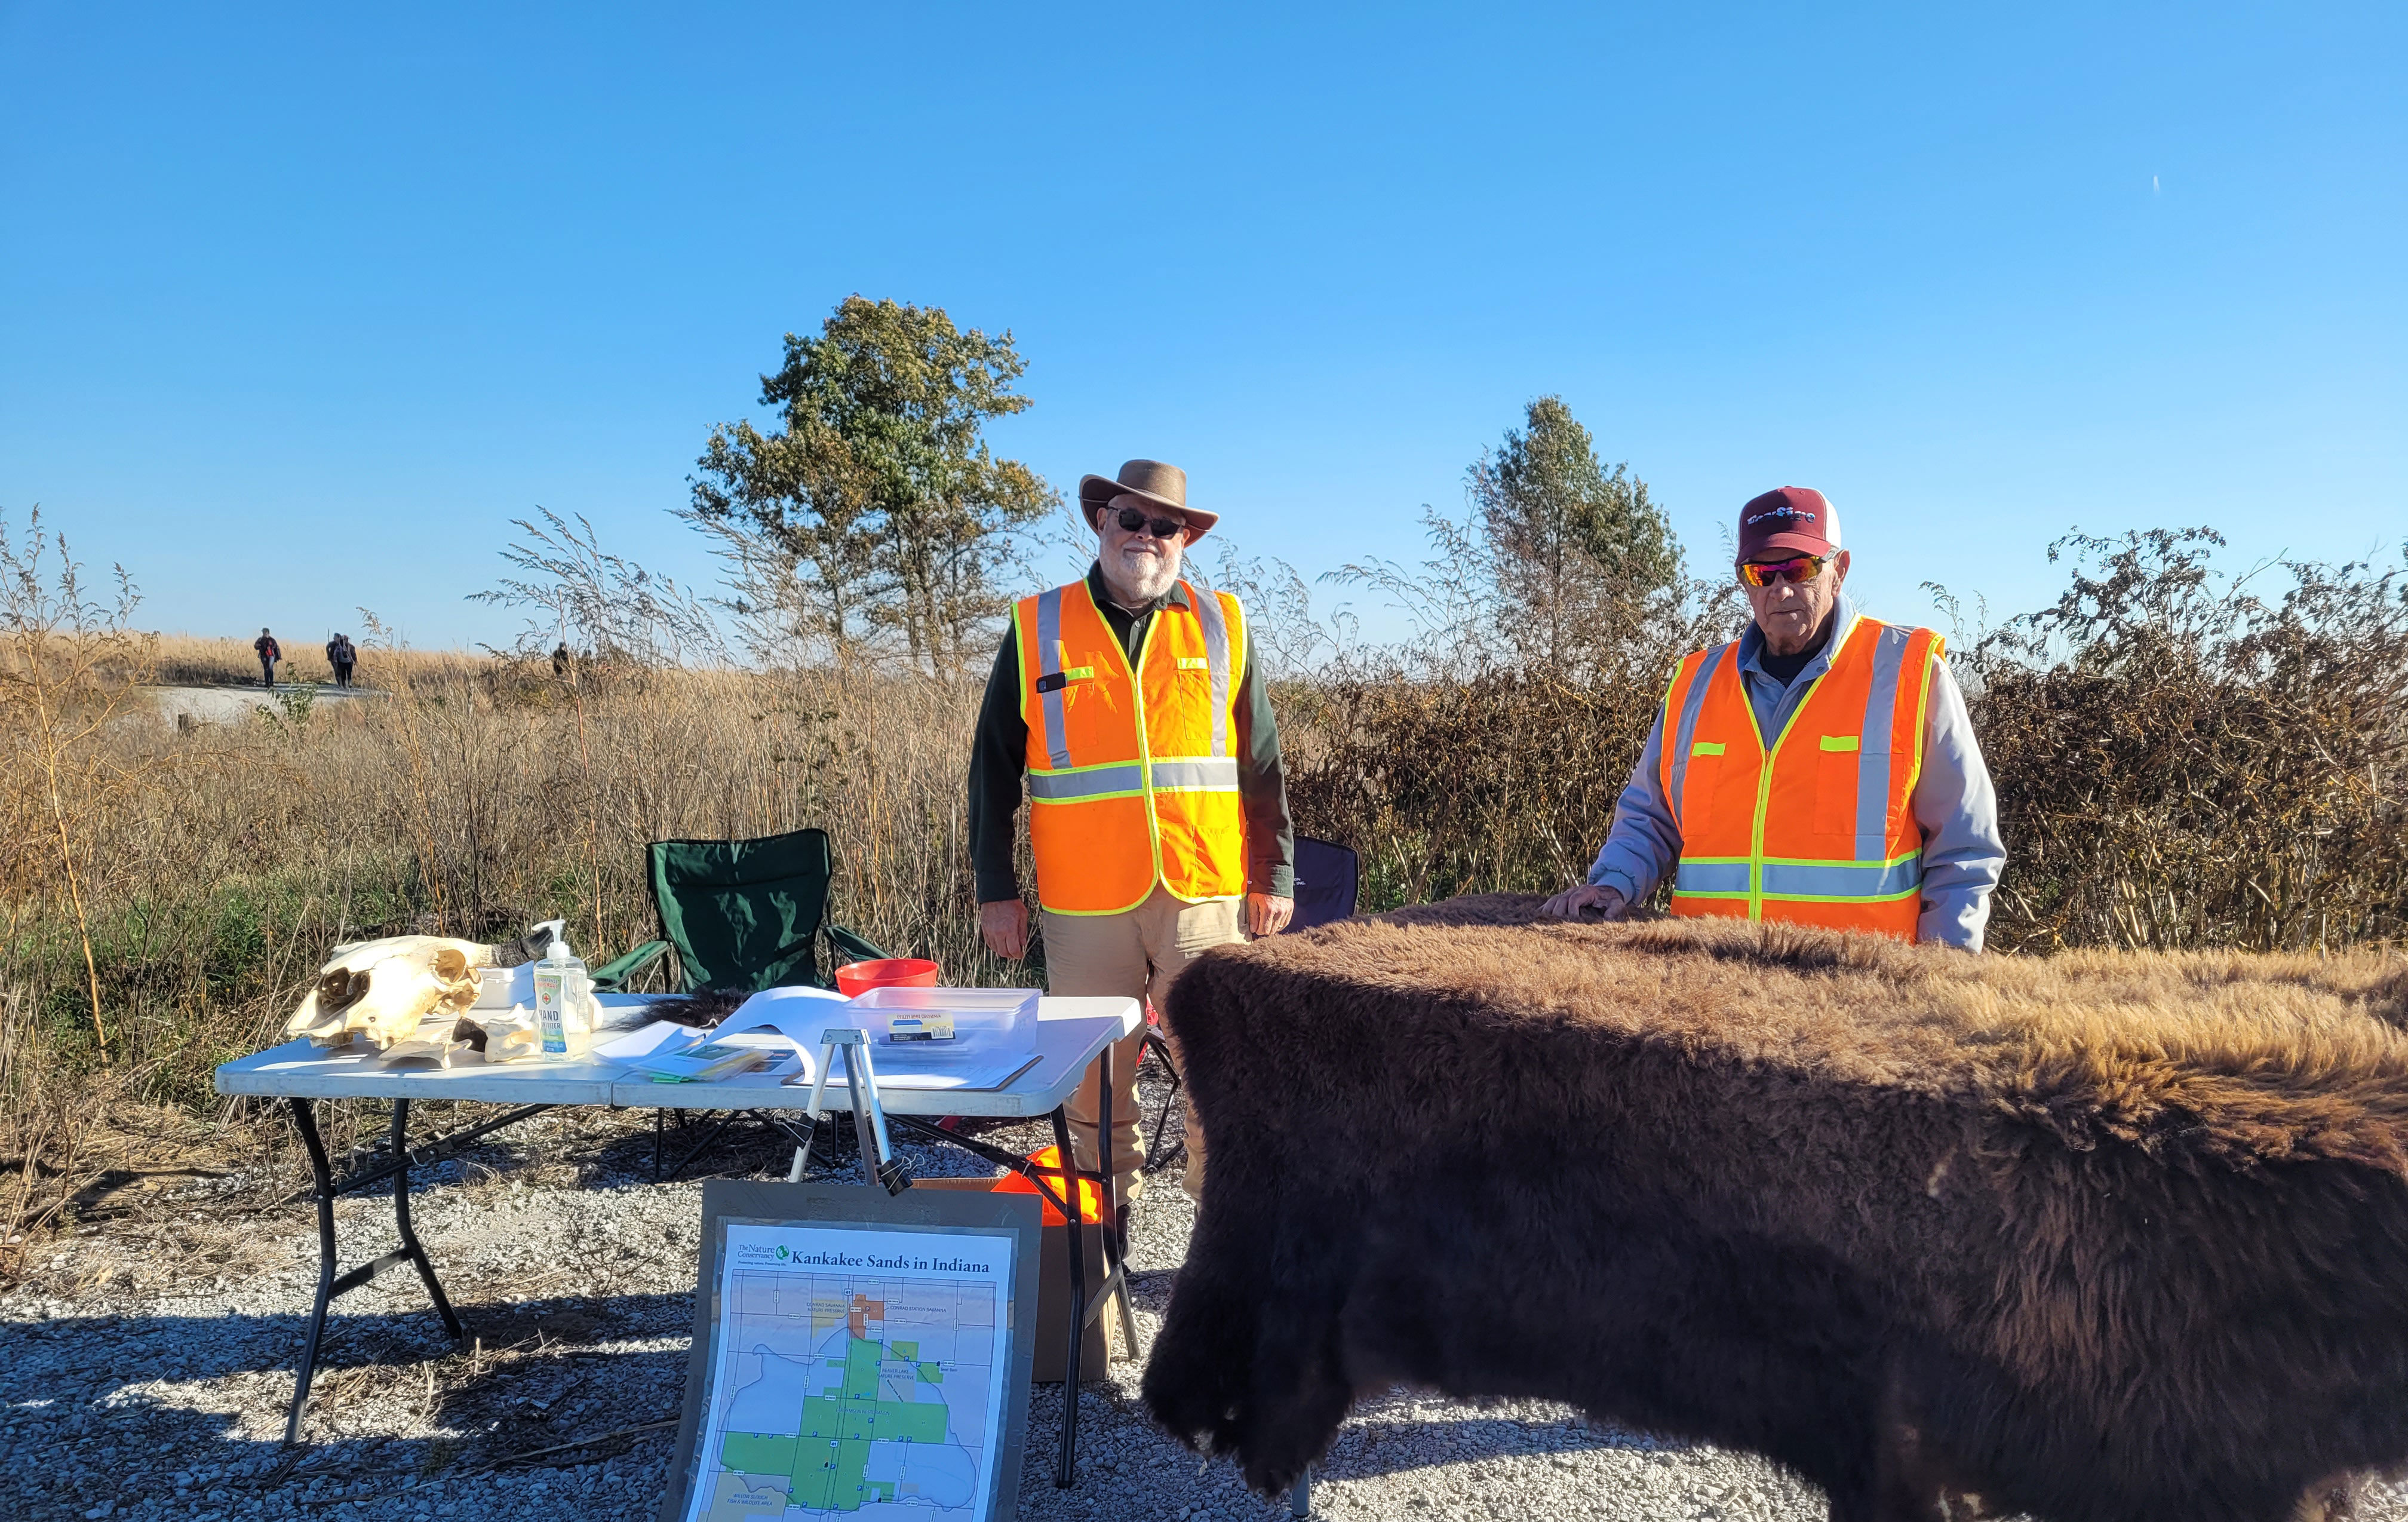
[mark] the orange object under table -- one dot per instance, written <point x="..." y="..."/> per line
<point x="1048" y="1163"/>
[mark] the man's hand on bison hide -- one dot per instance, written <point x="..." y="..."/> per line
<point x="1587" y="902"/>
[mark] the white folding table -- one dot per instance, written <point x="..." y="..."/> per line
<point x="1070" y="1033"/>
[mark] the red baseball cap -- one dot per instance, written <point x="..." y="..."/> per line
<point x="1794" y="518"/>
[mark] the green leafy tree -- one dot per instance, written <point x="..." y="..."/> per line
<point x="1578" y="553"/>
<point x="876" y="516"/>
<point x="1559" y="567"/>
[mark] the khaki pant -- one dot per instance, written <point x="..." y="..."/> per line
<point x="1138" y="954"/>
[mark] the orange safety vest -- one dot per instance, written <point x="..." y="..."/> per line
<point x="1132" y="776"/>
<point x="1815" y="828"/>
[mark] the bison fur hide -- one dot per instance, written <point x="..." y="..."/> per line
<point x="2099" y="1237"/>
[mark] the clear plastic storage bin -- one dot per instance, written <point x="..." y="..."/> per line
<point x="986" y="1019"/>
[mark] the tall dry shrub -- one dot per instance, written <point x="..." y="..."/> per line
<point x="2186" y="758"/>
<point x="68" y="667"/>
<point x="1460" y="783"/>
<point x="1451" y="768"/>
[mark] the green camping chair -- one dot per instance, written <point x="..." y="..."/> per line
<point x="742" y="916"/>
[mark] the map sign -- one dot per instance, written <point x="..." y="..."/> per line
<point x="855" y="1373"/>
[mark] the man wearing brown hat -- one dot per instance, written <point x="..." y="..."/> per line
<point x="1819" y="769"/>
<point x="1129" y="707"/>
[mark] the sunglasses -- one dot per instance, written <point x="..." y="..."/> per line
<point x="1131" y="519"/>
<point x="1803" y="568"/>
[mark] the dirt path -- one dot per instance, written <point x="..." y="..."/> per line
<point x="234" y="705"/>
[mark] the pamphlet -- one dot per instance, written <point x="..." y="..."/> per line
<point x="701" y="1064"/>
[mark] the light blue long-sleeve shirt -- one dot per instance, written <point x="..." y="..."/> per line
<point x="1954" y="803"/>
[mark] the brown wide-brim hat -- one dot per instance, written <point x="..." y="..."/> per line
<point x="1164" y="485"/>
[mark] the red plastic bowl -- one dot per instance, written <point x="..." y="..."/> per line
<point x="856" y="977"/>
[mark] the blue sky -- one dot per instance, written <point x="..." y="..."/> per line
<point x="299" y="305"/>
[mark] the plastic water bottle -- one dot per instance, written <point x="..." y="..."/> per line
<point x="557" y="979"/>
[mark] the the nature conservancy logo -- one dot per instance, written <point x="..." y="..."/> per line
<point x="774" y="1256"/>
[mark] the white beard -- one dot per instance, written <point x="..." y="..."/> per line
<point x="1141" y="577"/>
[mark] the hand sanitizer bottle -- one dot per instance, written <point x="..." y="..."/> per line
<point x="556" y="978"/>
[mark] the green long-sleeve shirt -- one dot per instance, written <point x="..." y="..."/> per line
<point x="999" y="761"/>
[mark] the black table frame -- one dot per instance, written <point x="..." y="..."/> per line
<point x="332" y="1284"/>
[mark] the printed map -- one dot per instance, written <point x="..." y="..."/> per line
<point x="855" y="1395"/>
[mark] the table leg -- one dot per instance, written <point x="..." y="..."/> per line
<point x="410" y="1243"/>
<point x="1058" y="1190"/>
<point x="1105" y="1140"/>
<point x="1065" y="1472"/>
<point x="323" y="1177"/>
<point x="1154" y="1156"/>
<point x="1115" y="1230"/>
<point x="709" y="1135"/>
<point x="331" y="1284"/>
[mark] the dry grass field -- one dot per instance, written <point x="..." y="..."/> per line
<point x="471" y="797"/>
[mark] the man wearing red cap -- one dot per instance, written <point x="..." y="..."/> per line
<point x="1819" y="769"/>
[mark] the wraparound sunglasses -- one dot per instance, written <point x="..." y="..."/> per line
<point x="1803" y="568"/>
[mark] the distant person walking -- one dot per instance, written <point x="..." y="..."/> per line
<point x="270" y="653"/>
<point x="342" y="654"/>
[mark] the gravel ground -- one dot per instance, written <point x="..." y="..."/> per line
<point x="146" y="1364"/>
